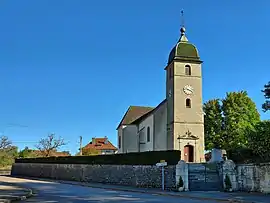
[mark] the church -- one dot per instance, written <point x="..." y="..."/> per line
<point x="177" y="123"/>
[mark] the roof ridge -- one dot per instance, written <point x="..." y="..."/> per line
<point x="141" y="106"/>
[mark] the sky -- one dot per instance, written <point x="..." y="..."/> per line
<point x="74" y="67"/>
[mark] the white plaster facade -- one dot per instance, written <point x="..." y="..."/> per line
<point x="147" y="133"/>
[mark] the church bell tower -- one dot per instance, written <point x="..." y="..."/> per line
<point x="185" y="124"/>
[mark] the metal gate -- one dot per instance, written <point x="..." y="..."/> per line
<point x="204" y="177"/>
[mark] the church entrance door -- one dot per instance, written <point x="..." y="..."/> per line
<point x="189" y="153"/>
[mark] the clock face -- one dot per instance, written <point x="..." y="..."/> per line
<point x="188" y="90"/>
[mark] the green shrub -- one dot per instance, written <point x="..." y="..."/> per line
<point x="227" y="181"/>
<point x="142" y="158"/>
<point x="181" y="182"/>
<point x="242" y="155"/>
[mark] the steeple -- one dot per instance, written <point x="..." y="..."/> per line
<point x="183" y="37"/>
<point x="184" y="50"/>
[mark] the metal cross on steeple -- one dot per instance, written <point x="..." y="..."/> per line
<point x="182" y="19"/>
<point x="183" y="38"/>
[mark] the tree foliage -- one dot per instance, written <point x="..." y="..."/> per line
<point x="240" y="115"/>
<point x="266" y="91"/>
<point x="259" y="140"/>
<point x="67" y="153"/>
<point x="213" y="125"/>
<point x="27" y="153"/>
<point x="7" y="152"/>
<point x="50" y="144"/>
<point x="227" y="124"/>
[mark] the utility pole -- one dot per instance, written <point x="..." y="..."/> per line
<point x="80" y="145"/>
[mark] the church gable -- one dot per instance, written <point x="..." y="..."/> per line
<point x="133" y="113"/>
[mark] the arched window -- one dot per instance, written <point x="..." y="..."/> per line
<point x="148" y="134"/>
<point x="187" y="70"/>
<point x="188" y="103"/>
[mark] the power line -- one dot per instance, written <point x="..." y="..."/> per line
<point x="25" y="141"/>
<point x="81" y="145"/>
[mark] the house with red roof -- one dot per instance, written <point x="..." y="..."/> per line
<point x="99" y="146"/>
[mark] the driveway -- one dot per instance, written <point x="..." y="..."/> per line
<point x="49" y="192"/>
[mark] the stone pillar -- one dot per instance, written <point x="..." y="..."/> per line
<point x="182" y="170"/>
<point x="229" y="168"/>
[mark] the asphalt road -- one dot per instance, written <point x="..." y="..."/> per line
<point x="48" y="192"/>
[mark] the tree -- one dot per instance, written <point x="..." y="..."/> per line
<point x="213" y="124"/>
<point x="8" y="152"/>
<point x="27" y="153"/>
<point x="240" y="116"/>
<point x="266" y="91"/>
<point x="5" y="142"/>
<point x="8" y="155"/>
<point x="67" y="153"/>
<point x="50" y="144"/>
<point x="259" y="140"/>
<point x="227" y="123"/>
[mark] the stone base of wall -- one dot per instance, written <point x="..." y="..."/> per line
<point x="248" y="177"/>
<point x="137" y="176"/>
<point x="4" y="172"/>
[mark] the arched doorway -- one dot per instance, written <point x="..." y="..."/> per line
<point x="189" y="153"/>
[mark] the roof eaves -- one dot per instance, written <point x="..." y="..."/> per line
<point x="123" y="118"/>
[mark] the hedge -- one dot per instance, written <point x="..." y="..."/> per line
<point x="244" y="156"/>
<point x="142" y="158"/>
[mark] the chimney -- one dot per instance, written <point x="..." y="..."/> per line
<point x="93" y="140"/>
<point x="106" y="140"/>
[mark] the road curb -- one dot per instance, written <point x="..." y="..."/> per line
<point x="17" y="198"/>
<point x="231" y="200"/>
<point x="24" y="197"/>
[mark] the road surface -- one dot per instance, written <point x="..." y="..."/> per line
<point x="48" y="192"/>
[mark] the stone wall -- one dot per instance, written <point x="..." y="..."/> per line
<point x="138" y="176"/>
<point x="248" y="177"/>
<point x="253" y="177"/>
<point x="4" y="172"/>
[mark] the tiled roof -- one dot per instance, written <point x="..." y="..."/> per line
<point x="133" y="113"/>
<point x="138" y="120"/>
<point x="100" y="144"/>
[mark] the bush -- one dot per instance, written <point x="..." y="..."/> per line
<point x="228" y="184"/>
<point x="142" y="158"/>
<point x="243" y="156"/>
<point x="181" y="182"/>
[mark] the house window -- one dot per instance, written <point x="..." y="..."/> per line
<point x="187" y="70"/>
<point x="119" y="142"/>
<point x="188" y="103"/>
<point x="148" y="134"/>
